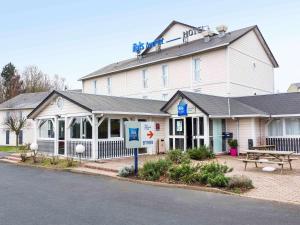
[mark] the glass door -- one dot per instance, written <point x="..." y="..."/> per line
<point x="61" y="137"/>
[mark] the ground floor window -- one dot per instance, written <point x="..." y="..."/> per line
<point x="46" y="129"/>
<point x="81" y="128"/>
<point x="7" y="137"/>
<point x="109" y="128"/>
<point x="292" y="126"/>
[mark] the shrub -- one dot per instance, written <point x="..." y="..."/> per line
<point x="70" y="162"/>
<point x="213" y="174"/>
<point x="153" y="170"/>
<point x="182" y="172"/>
<point x="232" y="143"/>
<point x="240" y="181"/>
<point x="24" y="149"/>
<point x="201" y="153"/>
<point x="126" y="171"/>
<point x="178" y="156"/>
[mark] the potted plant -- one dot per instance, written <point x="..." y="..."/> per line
<point x="233" y="147"/>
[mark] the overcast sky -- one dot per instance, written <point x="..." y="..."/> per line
<point x="74" y="38"/>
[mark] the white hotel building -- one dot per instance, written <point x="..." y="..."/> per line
<point x="235" y="63"/>
<point x="225" y="80"/>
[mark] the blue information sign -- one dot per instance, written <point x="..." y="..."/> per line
<point x="182" y="109"/>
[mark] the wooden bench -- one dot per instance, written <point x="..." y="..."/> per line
<point x="246" y="161"/>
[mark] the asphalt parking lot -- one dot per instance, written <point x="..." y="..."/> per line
<point x="32" y="196"/>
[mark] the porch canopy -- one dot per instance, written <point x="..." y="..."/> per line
<point x="65" y="119"/>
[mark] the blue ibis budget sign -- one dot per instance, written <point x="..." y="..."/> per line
<point x="138" y="47"/>
<point x="182" y="109"/>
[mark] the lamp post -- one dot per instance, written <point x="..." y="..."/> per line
<point x="80" y="150"/>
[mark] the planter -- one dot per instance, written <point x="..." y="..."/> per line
<point x="233" y="152"/>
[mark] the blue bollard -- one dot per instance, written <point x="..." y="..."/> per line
<point x="136" y="162"/>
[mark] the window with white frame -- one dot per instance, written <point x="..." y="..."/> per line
<point x="95" y="86"/>
<point x="81" y="128"/>
<point x="46" y="129"/>
<point x="275" y="128"/>
<point x="196" y="69"/>
<point x="292" y="126"/>
<point x="109" y="128"/>
<point x="164" y="97"/>
<point x="115" y="128"/>
<point x="109" y="84"/>
<point x="165" y="76"/>
<point x="145" y="78"/>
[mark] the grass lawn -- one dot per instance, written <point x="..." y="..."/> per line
<point x="7" y="149"/>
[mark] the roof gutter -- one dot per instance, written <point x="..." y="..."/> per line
<point x="130" y="113"/>
<point x="239" y="116"/>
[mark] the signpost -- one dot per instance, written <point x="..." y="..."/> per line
<point x="138" y="135"/>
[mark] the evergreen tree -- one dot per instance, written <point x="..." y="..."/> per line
<point x="12" y="84"/>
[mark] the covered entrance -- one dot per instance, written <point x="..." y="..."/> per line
<point x="186" y="133"/>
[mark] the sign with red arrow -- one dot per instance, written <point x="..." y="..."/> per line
<point x="150" y="134"/>
<point x="147" y="134"/>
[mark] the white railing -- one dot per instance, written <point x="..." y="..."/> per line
<point x="72" y="143"/>
<point x="108" y="149"/>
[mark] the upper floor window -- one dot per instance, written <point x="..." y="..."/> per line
<point x="95" y="86"/>
<point x="165" y="76"/>
<point x="196" y="69"/>
<point x="109" y="85"/>
<point x="164" y="97"/>
<point x="145" y="78"/>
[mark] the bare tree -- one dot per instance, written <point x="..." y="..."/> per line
<point x="59" y="83"/>
<point x="16" y="124"/>
<point x="35" y="80"/>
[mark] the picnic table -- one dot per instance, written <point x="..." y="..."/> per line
<point x="264" y="147"/>
<point x="269" y="157"/>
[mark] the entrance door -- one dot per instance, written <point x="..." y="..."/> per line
<point x="189" y="133"/>
<point x="61" y="137"/>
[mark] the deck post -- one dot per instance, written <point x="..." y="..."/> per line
<point x="94" y="136"/>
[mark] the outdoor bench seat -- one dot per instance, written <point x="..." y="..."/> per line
<point x="280" y="163"/>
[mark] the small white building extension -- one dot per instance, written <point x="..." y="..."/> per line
<point x="234" y="63"/>
<point x="19" y="106"/>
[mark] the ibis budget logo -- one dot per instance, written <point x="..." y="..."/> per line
<point x="133" y="134"/>
<point x="182" y="109"/>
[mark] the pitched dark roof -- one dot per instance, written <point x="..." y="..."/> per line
<point x="259" y="105"/>
<point x="216" y="105"/>
<point x="182" y="50"/>
<point x="109" y="104"/>
<point x="274" y="104"/>
<point x="24" y="101"/>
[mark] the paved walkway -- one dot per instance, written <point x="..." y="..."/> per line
<point x="32" y="196"/>
<point x="268" y="185"/>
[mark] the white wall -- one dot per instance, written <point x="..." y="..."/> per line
<point x="28" y="131"/>
<point x="130" y="83"/>
<point x="250" y="70"/>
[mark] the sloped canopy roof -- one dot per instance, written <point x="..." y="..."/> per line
<point x="257" y="105"/>
<point x="24" y="101"/>
<point x="107" y="104"/>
